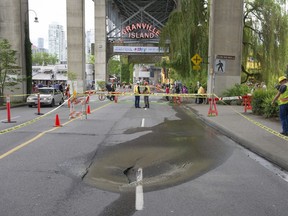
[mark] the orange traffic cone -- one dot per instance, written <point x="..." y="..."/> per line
<point x="57" y="121"/>
<point x="88" y="109"/>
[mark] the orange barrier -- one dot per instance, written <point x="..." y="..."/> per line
<point x="247" y="99"/>
<point x="212" y="107"/>
<point x="57" y="121"/>
<point x="38" y="105"/>
<point x="83" y="101"/>
<point x="177" y="100"/>
<point x="88" y="111"/>
<point x="8" y="107"/>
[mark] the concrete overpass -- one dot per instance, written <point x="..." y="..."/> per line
<point x="116" y="21"/>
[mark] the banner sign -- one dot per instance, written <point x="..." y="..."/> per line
<point x="138" y="49"/>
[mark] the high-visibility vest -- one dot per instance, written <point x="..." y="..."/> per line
<point x="283" y="95"/>
<point x="136" y="89"/>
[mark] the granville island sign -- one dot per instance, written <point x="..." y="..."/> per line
<point x="141" y="30"/>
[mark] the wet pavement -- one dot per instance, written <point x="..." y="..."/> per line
<point x="171" y="153"/>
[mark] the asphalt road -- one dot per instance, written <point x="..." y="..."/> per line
<point x="125" y="161"/>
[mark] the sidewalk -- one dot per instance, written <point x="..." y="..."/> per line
<point x="255" y="133"/>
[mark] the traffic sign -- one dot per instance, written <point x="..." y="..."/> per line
<point x="220" y="65"/>
<point x="196" y="67"/>
<point x="196" y="59"/>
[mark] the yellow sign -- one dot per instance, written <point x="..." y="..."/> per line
<point x="196" y="59"/>
<point x="196" y="67"/>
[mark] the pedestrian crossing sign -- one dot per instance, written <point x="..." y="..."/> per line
<point x="219" y="66"/>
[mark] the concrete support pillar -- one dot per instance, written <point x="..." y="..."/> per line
<point x="100" y="41"/>
<point x="76" y="42"/>
<point x="225" y="45"/>
<point x="13" y="15"/>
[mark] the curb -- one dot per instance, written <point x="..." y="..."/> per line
<point x="243" y="142"/>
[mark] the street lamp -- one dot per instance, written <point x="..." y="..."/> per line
<point x="35" y="18"/>
<point x="28" y="51"/>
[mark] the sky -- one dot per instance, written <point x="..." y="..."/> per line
<point x="53" y="11"/>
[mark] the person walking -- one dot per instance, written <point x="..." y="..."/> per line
<point x="61" y="88"/>
<point x="200" y="93"/>
<point x="146" y="93"/>
<point x="167" y="92"/>
<point x="137" y="94"/>
<point x="282" y="97"/>
<point x="67" y="91"/>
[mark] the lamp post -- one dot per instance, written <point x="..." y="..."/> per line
<point x="28" y="51"/>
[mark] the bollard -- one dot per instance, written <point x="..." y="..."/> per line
<point x="38" y="105"/>
<point x="8" y="107"/>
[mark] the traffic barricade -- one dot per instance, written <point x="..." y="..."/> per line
<point x="247" y="100"/>
<point x="212" y="106"/>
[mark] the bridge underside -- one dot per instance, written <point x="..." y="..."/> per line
<point x="131" y="12"/>
<point x="155" y="13"/>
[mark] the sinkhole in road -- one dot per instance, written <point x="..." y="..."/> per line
<point x="174" y="152"/>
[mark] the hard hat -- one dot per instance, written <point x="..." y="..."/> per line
<point x="137" y="82"/>
<point x="282" y="78"/>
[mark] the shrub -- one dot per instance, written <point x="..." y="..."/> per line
<point x="257" y="102"/>
<point x="261" y="100"/>
<point x="261" y="103"/>
<point x="237" y="90"/>
<point x="269" y="110"/>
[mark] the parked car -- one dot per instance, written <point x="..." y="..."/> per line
<point x="48" y="96"/>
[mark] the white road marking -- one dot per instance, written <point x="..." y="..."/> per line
<point x="139" y="201"/>
<point x="142" y="122"/>
<point x="11" y="118"/>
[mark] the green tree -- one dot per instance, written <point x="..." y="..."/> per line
<point x="126" y="70"/>
<point x="43" y="58"/>
<point x="9" y="71"/>
<point x="114" y="66"/>
<point x="72" y="75"/>
<point x="187" y="31"/>
<point x="91" y="59"/>
<point x="265" y="39"/>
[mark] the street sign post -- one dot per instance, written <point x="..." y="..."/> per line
<point x="196" y="59"/>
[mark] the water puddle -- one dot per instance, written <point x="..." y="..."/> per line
<point x="174" y="152"/>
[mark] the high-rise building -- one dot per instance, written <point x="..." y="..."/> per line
<point x="90" y="37"/>
<point x="40" y="43"/>
<point x="57" y="43"/>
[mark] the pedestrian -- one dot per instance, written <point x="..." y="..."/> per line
<point x="167" y="92"/>
<point x="61" y="88"/>
<point x="40" y="85"/>
<point x="34" y="87"/>
<point x="67" y="91"/>
<point x="200" y="92"/>
<point x="146" y="93"/>
<point x="177" y="89"/>
<point x="282" y="97"/>
<point x="137" y="94"/>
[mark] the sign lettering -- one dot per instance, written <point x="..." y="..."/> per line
<point x="141" y="30"/>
